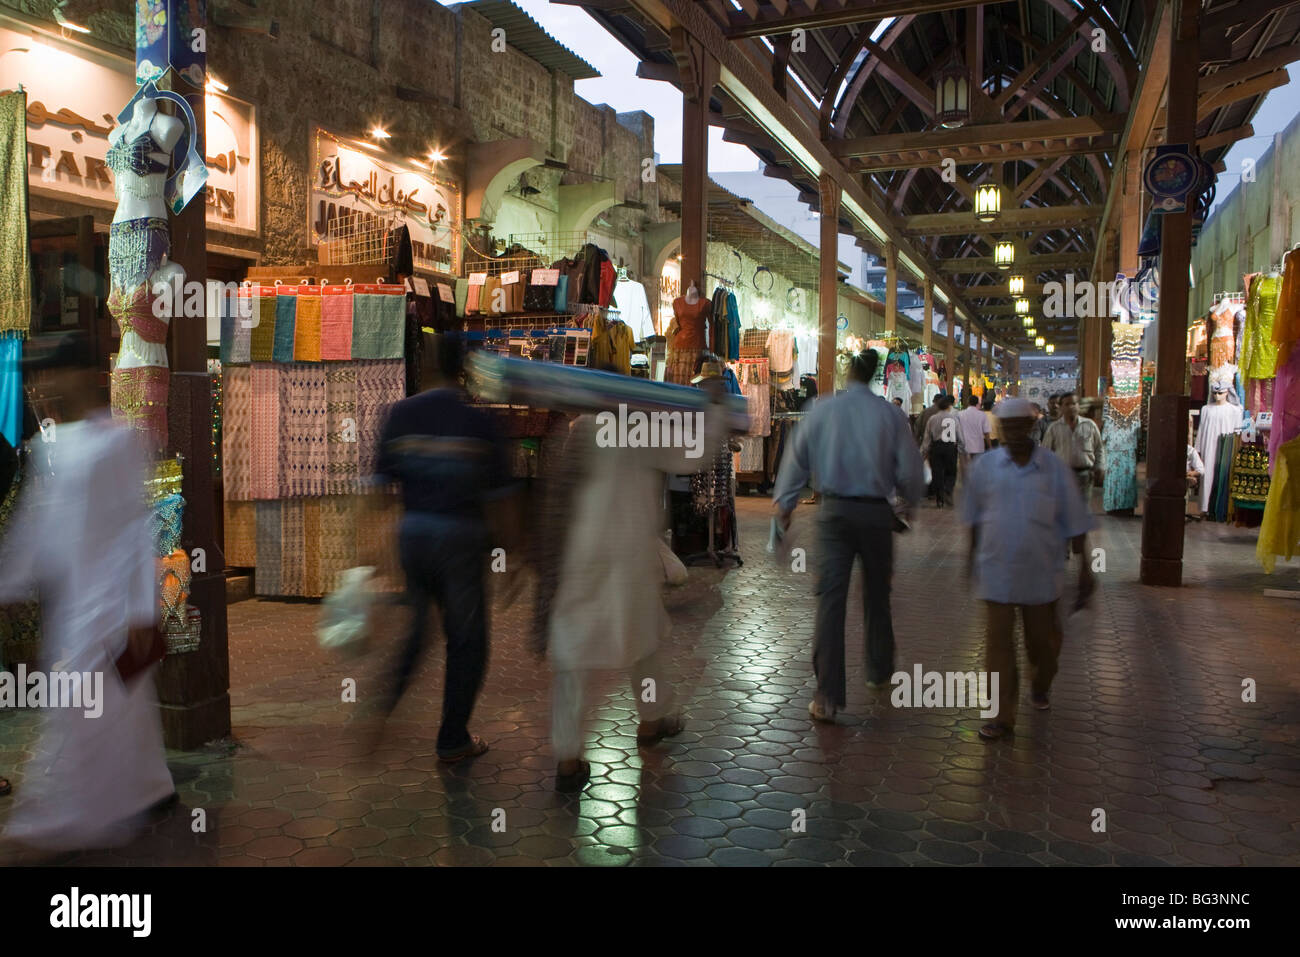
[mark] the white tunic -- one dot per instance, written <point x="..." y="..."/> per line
<point x="608" y="613"/>
<point x="1217" y="420"/>
<point x="83" y="539"/>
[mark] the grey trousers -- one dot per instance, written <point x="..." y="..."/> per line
<point x="845" y="531"/>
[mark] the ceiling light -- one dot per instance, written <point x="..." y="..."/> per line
<point x="379" y="133"/>
<point x="437" y="156"/>
<point x="988" y="202"/>
<point x="1029" y="322"/>
<point x="1004" y="254"/>
<point x="952" y="95"/>
<point x="1022" y="307"/>
<point x="1016" y="285"/>
<point x="1050" y="348"/>
<point x="214" y="85"/>
<point x="1040" y="342"/>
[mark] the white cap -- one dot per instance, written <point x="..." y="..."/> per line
<point x="1014" y="408"/>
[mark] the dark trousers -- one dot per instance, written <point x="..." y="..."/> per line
<point x="845" y="531"/>
<point x="443" y="558"/>
<point x="943" y="469"/>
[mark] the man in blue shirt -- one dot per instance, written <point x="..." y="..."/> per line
<point x="1023" y="506"/>
<point x="450" y="463"/>
<point x="861" y="451"/>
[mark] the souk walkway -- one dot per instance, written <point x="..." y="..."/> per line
<point x="1147" y="724"/>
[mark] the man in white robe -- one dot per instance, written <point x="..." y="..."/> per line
<point x="82" y="539"/>
<point x="607" y="614"/>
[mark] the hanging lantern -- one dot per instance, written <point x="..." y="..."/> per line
<point x="1040" y="342"/>
<point x="1050" y="348"/>
<point x="1029" y="322"/>
<point x="988" y="202"/>
<point x="1022" y="307"/>
<point x="952" y="95"/>
<point x="1016" y="285"/>
<point x="1004" y="254"/>
<point x="1031" y="331"/>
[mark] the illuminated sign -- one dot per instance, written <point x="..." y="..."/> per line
<point x="358" y="195"/>
<point x="73" y="96"/>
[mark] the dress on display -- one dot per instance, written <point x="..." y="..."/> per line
<point x="1217" y="420"/>
<point x="1119" y="437"/>
<point x="688" y="340"/>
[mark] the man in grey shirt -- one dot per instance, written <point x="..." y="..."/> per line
<point x="862" y="453"/>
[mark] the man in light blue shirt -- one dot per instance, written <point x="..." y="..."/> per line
<point x="1023" y="506"/>
<point x="861" y="451"/>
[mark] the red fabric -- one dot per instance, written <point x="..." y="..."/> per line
<point x="608" y="277"/>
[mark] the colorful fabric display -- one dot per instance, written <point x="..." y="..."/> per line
<point x="308" y="327"/>
<point x="304" y="436"/>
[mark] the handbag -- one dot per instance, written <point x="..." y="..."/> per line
<point x="130" y="664"/>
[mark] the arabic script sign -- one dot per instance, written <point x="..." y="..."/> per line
<point x="73" y="97"/>
<point x="355" y="191"/>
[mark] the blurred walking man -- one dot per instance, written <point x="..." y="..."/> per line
<point x="861" y="452"/>
<point x="942" y="445"/>
<point x="450" y="463"/>
<point x="1077" y="440"/>
<point x="1023" y="508"/>
<point x="976" y="434"/>
<point x="82" y="538"/>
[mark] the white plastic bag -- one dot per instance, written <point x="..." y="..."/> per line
<point x="929" y="476"/>
<point x="345" y="613"/>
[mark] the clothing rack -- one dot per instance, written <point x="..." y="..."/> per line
<point x="729" y="283"/>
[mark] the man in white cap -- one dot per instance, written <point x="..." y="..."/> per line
<point x="1023" y="506"/>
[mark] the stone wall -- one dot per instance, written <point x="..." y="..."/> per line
<point x="340" y="64"/>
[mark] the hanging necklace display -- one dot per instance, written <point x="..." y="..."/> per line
<point x="764" y="285"/>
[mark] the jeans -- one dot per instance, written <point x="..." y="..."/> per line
<point x="443" y="557"/>
<point x="847" y="530"/>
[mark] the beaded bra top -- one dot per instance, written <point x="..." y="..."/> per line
<point x="133" y="156"/>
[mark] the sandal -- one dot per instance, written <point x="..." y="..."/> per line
<point x="993" y="731"/>
<point x="570" y="783"/>
<point x="5" y="787"/>
<point x="668" y="727"/>
<point x="820" y="711"/>
<point x="475" y="747"/>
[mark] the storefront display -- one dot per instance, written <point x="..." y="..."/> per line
<point x="1122" y="418"/>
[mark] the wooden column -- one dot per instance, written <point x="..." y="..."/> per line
<point x="927" y="327"/>
<point x="828" y="283"/>
<point x="891" y="287"/>
<point x="949" y="350"/>
<point x="194" y="687"/>
<point x="1163" y="517"/>
<point x="699" y="72"/>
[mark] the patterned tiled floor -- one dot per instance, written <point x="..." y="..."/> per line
<point x="1147" y="725"/>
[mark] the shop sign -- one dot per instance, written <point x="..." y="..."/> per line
<point x="73" y="97"/>
<point x="358" y="195"/>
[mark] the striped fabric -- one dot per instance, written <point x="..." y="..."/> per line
<point x="342" y="427"/>
<point x="312" y="586"/>
<point x="265" y="421"/>
<point x="304" y="430"/>
<point x="237" y="432"/>
<point x="379" y="385"/>
<point x="267" y="579"/>
<point x="293" y="564"/>
<point x="240" y="539"/>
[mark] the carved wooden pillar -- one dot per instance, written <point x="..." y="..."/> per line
<point x="828" y="283"/>
<point x="699" y="71"/>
